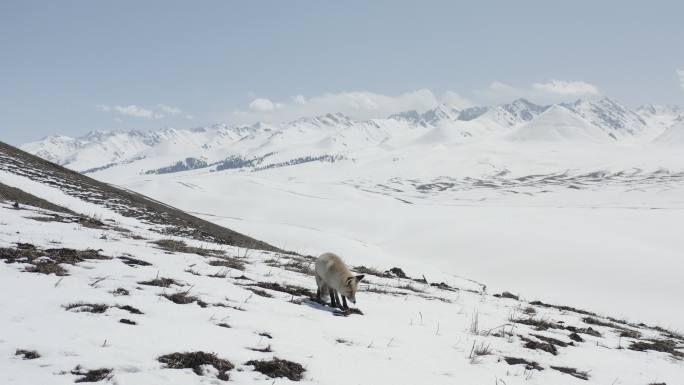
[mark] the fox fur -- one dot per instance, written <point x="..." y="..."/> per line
<point x="332" y="277"/>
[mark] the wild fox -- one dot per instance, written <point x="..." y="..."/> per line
<point x="332" y="276"/>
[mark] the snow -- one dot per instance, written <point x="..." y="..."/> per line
<point x="558" y="124"/>
<point x="576" y="204"/>
<point x="674" y="135"/>
<point x="400" y="339"/>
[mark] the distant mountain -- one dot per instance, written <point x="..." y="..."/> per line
<point x="613" y="118"/>
<point x="661" y="116"/>
<point x="559" y="123"/>
<point x="673" y="135"/>
<point x="335" y="134"/>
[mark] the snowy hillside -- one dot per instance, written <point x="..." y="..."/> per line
<point x="103" y="290"/>
<point x="492" y="193"/>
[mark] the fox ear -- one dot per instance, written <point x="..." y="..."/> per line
<point x="359" y="277"/>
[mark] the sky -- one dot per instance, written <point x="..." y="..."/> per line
<point x="70" y="67"/>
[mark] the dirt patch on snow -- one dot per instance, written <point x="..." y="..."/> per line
<point x="276" y="367"/>
<point x="28" y="354"/>
<point x="195" y="361"/>
<point x="93" y="375"/>
<point x="47" y="261"/>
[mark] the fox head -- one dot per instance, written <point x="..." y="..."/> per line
<point x="350" y="286"/>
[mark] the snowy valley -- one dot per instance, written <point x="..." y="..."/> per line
<point x="508" y="244"/>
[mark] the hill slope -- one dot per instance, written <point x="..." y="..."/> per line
<point x="124" y="202"/>
<point x="115" y="299"/>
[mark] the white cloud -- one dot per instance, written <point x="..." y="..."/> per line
<point x="456" y="100"/>
<point x="357" y="104"/>
<point x="261" y="104"/>
<point x="553" y="91"/>
<point x="681" y="77"/>
<point x="172" y="111"/>
<point x="157" y="112"/>
<point x="570" y="88"/>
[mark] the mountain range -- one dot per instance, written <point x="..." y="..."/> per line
<point x="602" y="121"/>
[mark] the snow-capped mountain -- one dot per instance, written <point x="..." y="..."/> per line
<point x="334" y="134"/>
<point x="558" y="123"/>
<point x="613" y="118"/>
<point x="673" y="135"/>
<point x="661" y="116"/>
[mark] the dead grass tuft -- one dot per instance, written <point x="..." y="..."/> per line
<point x="180" y="297"/>
<point x="120" y="291"/>
<point x="230" y="262"/>
<point x="161" y="282"/>
<point x="529" y="365"/>
<point x="286" y="288"/>
<point x="259" y="292"/>
<point x="133" y="262"/>
<point x="195" y="361"/>
<point x="176" y="246"/>
<point x="666" y="346"/>
<point x="94" y="375"/>
<point x="276" y="367"/>
<point x="98" y="308"/>
<point x="47" y="261"/>
<point x="28" y="354"/>
<point x="572" y="371"/>
<point x="267" y="349"/>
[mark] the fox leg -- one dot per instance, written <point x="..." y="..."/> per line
<point x="337" y="300"/>
<point x="320" y="289"/>
<point x="344" y="303"/>
<point x="333" y="303"/>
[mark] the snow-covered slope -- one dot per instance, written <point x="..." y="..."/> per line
<point x="661" y="116"/>
<point x="674" y="135"/>
<point x="610" y="116"/>
<point x="101" y="294"/>
<point x="558" y="124"/>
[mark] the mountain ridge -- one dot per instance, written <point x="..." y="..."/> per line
<point x="338" y="133"/>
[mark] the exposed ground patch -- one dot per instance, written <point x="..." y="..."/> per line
<point x="276" y="367"/>
<point x="529" y="365"/>
<point x="161" y="282"/>
<point x="572" y="371"/>
<point x="195" y="361"/>
<point x="666" y="346"/>
<point x="92" y="375"/>
<point x="230" y="262"/>
<point x="98" y="308"/>
<point x="286" y="288"/>
<point x="184" y="298"/>
<point x="27" y="354"/>
<point x="177" y="246"/>
<point x="47" y="261"/>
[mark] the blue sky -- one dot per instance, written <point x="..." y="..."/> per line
<point x="69" y="67"/>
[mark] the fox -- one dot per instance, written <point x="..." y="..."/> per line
<point x="332" y="276"/>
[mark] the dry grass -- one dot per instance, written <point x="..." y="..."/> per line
<point x="286" y="288"/>
<point x="28" y="354"/>
<point x="195" y="361"/>
<point x="47" y="261"/>
<point x="98" y="308"/>
<point x="529" y="365"/>
<point x="161" y="282"/>
<point x="177" y="246"/>
<point x="93" y="375"/>
<point x="229" y="262"/>
<point x="276" y="367"/>
<point x="572" y="371"/>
